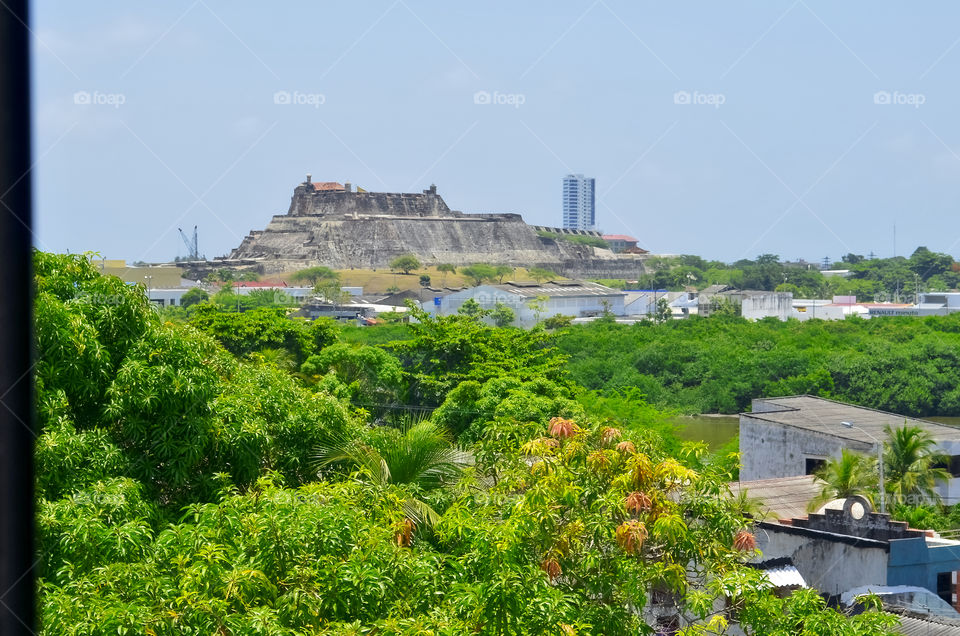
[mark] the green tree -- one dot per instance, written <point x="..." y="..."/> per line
<point x="444" y="269"/>
<point x="441" y="352"/>
<point x="663" y="312"/>
<point x="330" y="291"/>
<point x="912" y="466"/>
<point x="538" y="304"/>
<point x="222" y="275"/>
<point x="406" y="263"/>
<point x="264" y="328"/>
<point x="479" y="273"/>
<point x="789" y="287"/>
<point x="472" y="309"/>
<point x="925" y="263"/>
<point x="371" y="374"/>
<point x="313" y="275"/>
<point x="419" y="455"/>
<point x="502" y="315"/>
<point x="541" y="274"/>
<point x="558" y="321"/>
<point x="502" y="270"/>
<point x="851" y="474"/>
<point x="193" y="296"/>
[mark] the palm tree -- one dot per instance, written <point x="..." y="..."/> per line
<point x="912" y="464"/>
<point x="420" y="455"/>
<point x="850" y="474"/>
<point x="444" y="269"/>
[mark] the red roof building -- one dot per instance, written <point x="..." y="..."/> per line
<point x="621" y="242"/>
<point x="328" y="186"/>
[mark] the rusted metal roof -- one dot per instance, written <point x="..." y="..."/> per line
<point x="327" y="185"/>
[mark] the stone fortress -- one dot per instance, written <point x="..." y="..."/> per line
<point x="335" y="225"/>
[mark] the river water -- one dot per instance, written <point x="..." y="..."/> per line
<point x="717" y="430"/>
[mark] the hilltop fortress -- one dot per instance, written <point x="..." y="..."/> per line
<point x="334" y="225"/>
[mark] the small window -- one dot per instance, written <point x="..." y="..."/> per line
<point x="952" y="465"/>
<point x="813" y="464"/>
<point x="945" y="586"/>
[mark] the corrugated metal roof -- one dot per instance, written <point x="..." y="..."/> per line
<point x="911" y="626"/>
<point x="564" y="288"/>
<point x="826" y="416"/>
<point x="785" y="576"/>
<point x="784" y="497"/>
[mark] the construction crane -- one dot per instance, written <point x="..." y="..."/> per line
<point x="193" y="250"/>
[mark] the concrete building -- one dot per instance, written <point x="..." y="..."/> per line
<point x="758" y="305"/>
<point x="285" y="294"/>
<point x="790" y="436"/>
<point x="849" y="546"/>
<point x="148" y="276"/>
<point x="620" y="242"/>
<point x="752" y="304"/>
<point x="167" y="297"/>
<point x="563" y="297"/>
<point x="931" y="304"/>
<point x="579" y="202"/>
<point x="643" y="302"/>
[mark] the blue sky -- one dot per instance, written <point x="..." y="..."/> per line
<point x="800" y="128"/>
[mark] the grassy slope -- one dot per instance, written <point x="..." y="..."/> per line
<point x="378" y="281"/>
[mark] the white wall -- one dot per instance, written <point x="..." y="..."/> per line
<point x="773" y="304"/>
<point x="488" y="297"/>
<point x="830" y="566"/>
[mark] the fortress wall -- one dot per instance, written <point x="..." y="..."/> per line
<point x="348" y="203"/>
<point x="368" y="230"/>
<point x="372" y="242"/>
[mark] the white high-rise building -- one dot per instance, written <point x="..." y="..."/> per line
<point x="579" y="203"/>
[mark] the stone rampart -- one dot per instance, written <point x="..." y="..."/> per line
<point x="344" y="229"/>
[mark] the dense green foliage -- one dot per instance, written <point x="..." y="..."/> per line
<point x="718" y="364"/>
<point x="880" y="279"/>
<point x="592" y="241"/>
<point x="192" y="482"/>
<point x="264" y="328"/>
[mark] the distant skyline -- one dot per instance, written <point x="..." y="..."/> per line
<point x="800" y="128"/>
